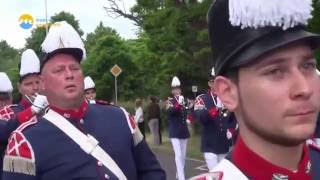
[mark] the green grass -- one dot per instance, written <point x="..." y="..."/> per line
<point x="193" y="148"/>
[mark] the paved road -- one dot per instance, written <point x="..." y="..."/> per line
<point x="193" y="166"/>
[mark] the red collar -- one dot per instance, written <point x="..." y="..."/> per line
<point x="25" y="103"/>
<point x="72" y="114"/>
<point x="255" y="167"/>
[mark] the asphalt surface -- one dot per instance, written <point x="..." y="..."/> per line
<point x="193" y="166"/>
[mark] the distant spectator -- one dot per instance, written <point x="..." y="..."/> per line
<point x="154" y="119"/>
<point x="138" y="117"/>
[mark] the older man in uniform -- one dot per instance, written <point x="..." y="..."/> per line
<point x="86" y="141"/>
<point x="31" y="102"/>
<point x="28" y="84"/>
<point x="9" y="120"/>
<point x="266" y="75"/>
<point x="215" y="134"/>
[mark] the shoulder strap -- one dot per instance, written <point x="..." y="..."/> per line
<point x="87" y="142"/>
<point x="230" y="171"/>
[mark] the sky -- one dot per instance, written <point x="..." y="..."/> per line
<point x="88" y="12"/>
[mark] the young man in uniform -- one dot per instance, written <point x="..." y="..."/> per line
<point x="215" y="136"/>
<point x="87" y="141"/>
<point x="266" y="75"/>
<point x="90" y="92"/>
<point x="178" y="129"/>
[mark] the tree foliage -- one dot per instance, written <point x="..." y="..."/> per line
<point x="9" y="57"/>
<point x="173" y="40"/>
<point x="106" y="49"/>
<point x="177" y="35"/>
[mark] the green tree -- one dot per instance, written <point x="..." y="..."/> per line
<point x="314" y="24"/>
<point x="9" y="57"/>
<point x="177" y="35"/>
<point x="9" y="60"/>
<point x="98" y="32"/>
<point x="106" y="49"/>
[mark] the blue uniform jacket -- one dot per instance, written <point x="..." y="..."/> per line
<point x="6" y="128"/>
<point x="177" y="120"/>
<point x="317" y="132"/>
<point x="213" y="130"/>
<point x="49" y="154"/>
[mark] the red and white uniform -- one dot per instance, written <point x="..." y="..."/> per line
<point x="244" y="164"/>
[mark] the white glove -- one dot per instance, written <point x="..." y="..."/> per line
<point x="39" y="103"/>
<point x="229" y="134"/>
<point x="181" y="100"/>
<point x="92" y="101"/>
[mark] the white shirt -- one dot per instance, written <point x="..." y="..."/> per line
<point x="138" y="117"/>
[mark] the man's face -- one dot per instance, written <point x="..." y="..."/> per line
<point x="90" y="94"/>
<point x="30" y="85"/>
<point x="277" y="98"/>
<point x="5" y="99"/>
<point x="176" y="91"/>
<point x="63" y="81"/>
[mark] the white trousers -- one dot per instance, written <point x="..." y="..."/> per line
<point x="180" y="152"/>
<point x="213" y="159"/>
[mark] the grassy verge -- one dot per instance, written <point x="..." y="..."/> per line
<point x="193" y="148"/>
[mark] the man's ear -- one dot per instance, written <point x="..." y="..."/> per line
<point x="227" y="91"/>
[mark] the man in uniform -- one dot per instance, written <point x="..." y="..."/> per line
<point x="86" y="141"/>
<point x="215" y="134"/>
<point x="9" y="120"/>
<point x="31" y="104"/>
<point x="178" y="129"/>
<point x="28" y="84"/>
<point x="90" y="92"/>
<point x="266" y="75"/>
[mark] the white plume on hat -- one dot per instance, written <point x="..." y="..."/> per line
<point x="62" y="35"/>
<point x="175" y="82"/>
<point x="29" y="63"/>
<point x="262" y="13"/>
<point x="213" y="73"/>
<point x="88" y="83"/>
<point x="5" y="85"/>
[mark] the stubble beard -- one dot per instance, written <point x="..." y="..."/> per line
<point x="273" y="137"/>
